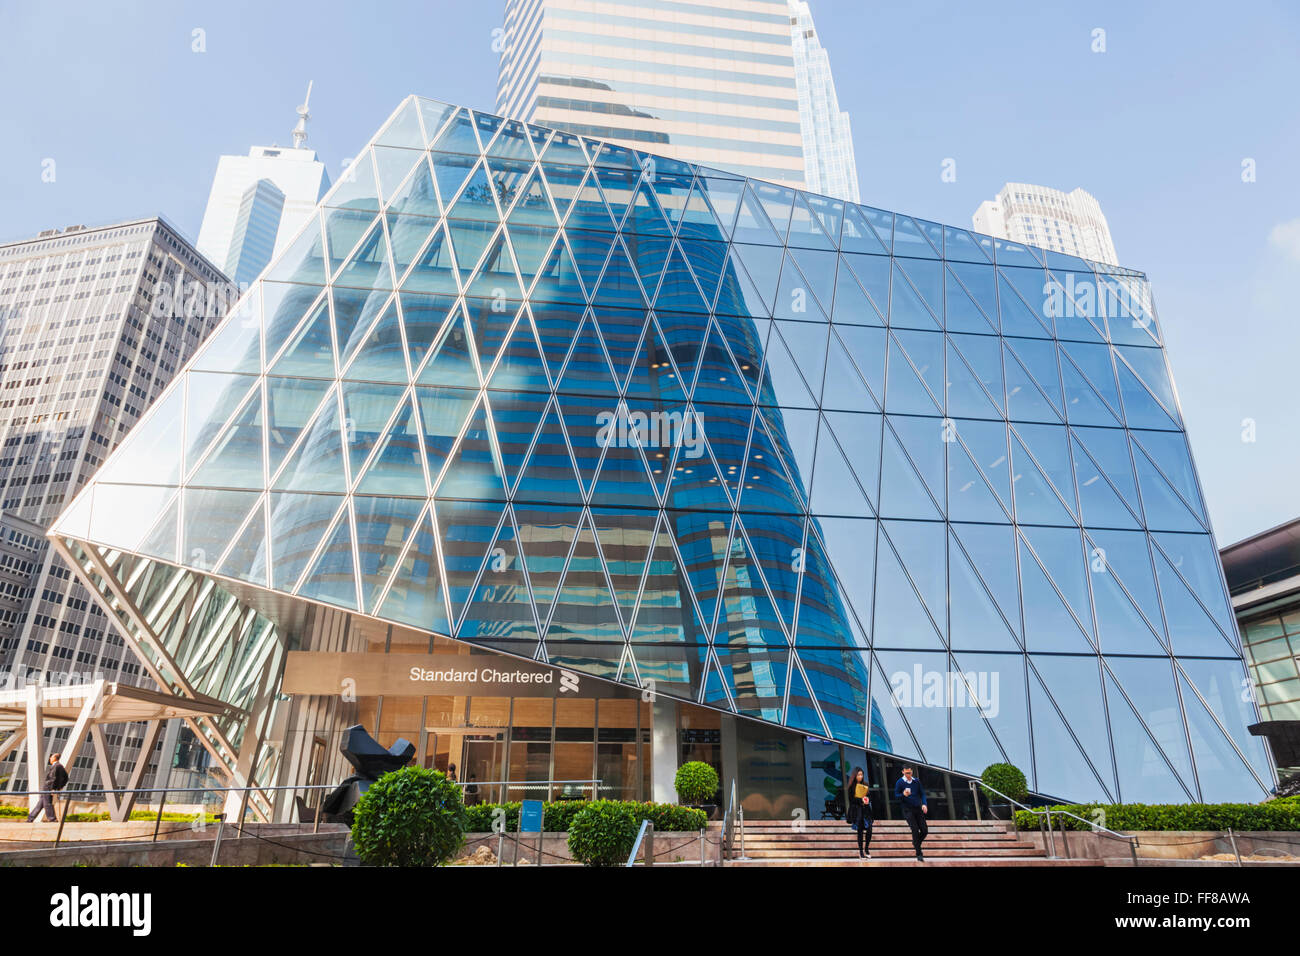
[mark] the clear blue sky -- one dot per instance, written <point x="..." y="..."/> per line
<point x="1156" y="127"/>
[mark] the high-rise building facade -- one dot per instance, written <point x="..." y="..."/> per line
<point x="568" y="465"/>
<point x="1263" y="574"/>
<point x="829" y="164"/>
<point x="96" y="322"/>
<point x="1071" y="223"/>
<point x="259" y="202"/>
<point x="705" y="81"/>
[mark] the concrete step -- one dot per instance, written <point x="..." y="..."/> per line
<point x="879" y="825"/>
<point x="941" y="862"/>
<point x="797" y="849"/>
<point x="834" y="843"/>
<point x="894" y="853"/>
<point x="831" y="824"/>
<point x="880" y="834"/>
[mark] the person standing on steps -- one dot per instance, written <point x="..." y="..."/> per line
<point x="857" y="803"/>
<point x="911" y="795"/>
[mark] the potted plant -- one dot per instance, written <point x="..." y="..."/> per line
<point x="1006" y="780"/>
<point x="696" y="784"/>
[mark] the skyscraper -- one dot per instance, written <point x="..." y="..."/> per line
<point x="570" y="483"/>
<point x="829" y="165"/>
<point x="1071" y="223"/>
<point x="259" y="202"/>
<point x="706" y="81"/>
<point x="96" y="322"/>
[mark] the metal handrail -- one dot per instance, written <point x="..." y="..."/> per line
<point x="726" y="819"/>
<point x="729" y="824"/>
<point x="1132" y="841"/>
<point x="67" y="791"/>
<point x="646" y="827"/>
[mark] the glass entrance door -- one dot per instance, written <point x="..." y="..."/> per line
<point x="824" y="771"/>
<point x="483" y="765"/>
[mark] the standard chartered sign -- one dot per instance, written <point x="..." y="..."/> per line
<point x="487" y="679"/>
<point x="456" y="675"/>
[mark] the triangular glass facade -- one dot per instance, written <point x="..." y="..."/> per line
<point x="516" y="390"/>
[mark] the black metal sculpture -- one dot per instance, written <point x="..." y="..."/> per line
<point x="371" y="761"/>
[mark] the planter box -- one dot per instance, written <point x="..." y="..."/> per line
<point x="669" y="846"/>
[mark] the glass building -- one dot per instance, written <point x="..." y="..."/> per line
<point x="570" y="464"/>
<point x="1263" y="574"/>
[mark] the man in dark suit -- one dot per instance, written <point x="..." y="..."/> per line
<point x="911" y="795"/>
<point x="56" y="778"/>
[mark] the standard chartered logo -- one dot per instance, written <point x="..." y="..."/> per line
<point x="568" y="682"/>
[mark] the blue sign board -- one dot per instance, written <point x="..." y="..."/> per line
<point x="530" y="817"/>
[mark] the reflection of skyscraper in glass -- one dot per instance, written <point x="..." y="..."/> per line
<point x="938" y="505"/>
<point x="1071" y="223"/>
<point x="829" y="165"/>
<point x="259" y="202"/>
<point x="704" y="82"/>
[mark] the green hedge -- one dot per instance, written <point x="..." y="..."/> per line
<point x="1244" y="817"/>
<point x="557" y="816"/>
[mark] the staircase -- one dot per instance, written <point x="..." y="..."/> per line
<point x="834" y="843"/>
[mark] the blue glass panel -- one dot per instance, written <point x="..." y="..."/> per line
<point x="756" y="679"/>
<point x="999" y="678"/>
<point x="1194" y="557"/>
<point x="298" y="523"/>
<point x="383" y="525"/>
<point x="584" y="608"/>
<point x="549" y="475"/>
<point x="976" y="622"/>
<point x="499" y="611"/>
<point x="838" y="679"/>
<point x="397" y="467"/>
<point x="919" y="682"/>
<point x="1144" y="757"/>
<point x="1071" y="743"/>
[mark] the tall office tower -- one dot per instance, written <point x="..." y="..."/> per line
<point x="260" y="201"/>
<point x="570" y="468"/>
<point x="95" y="323"/>
<point x="1070" y="223"/>
<point x="829" y="164"/>
<point x="709" y="82"/>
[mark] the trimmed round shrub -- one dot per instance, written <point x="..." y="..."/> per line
<point x="1006" y="778"/>
<point x="409" y="817"/>
<point x="603" y="833"/>
<point x="695" y="782"/>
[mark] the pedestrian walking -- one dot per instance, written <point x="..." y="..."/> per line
<point x="56" y="778"/>
<point x="911" y="795"/>
<point x="858" y="805"/>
